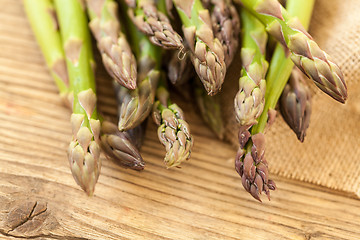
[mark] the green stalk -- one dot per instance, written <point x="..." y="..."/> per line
<point x="41" y="15"/>
<point x="304" y="51"/>
<point x="84" y="149"/>
<point x="162" y="6"/>
<point x="280" y="65"/>
<point x="77" y="45"/>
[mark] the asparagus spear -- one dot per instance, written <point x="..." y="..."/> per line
<point x="115" y="51"/>
<point x="173" y="131"/>
<point x="120" y="147"/>
<point x="43" y="21"/>
<point x="250" y="99"/>
<point x="250" y="162"/>
<point x="207" y="51"/>
<point x="155" y="24"/>
<point x="305" y="53"/>
<point x="84" y="149"/>
<point x="123" y="147"/>
<point x="210" y="109"/>
<point x="137" y="104"/>
<point x="226" y="26"/>
<point x="295" y="104"/>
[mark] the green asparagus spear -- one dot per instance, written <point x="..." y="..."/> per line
<point x="295" y="104"/>
<point x="305" y="53"/>
<point x="250" y="162"/>
<point x="173" y="131"/>
<point x="207" y="51"/>
<point x="115" y="51"/>
<point x="43" y="21"/>
<point x="250" y="99"/>
<point x="84" y="149"/>
<point x="120" y="147"/>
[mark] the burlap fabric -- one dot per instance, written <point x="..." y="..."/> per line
<point x="330" y="155"/>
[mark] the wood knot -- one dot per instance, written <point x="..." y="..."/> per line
<point x="26" y="217"/>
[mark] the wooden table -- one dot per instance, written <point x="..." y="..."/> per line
<point x="203" y="200"/>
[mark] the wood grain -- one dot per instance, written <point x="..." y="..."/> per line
<point x="203" y="200"/>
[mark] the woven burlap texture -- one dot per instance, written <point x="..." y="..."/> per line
<point x="330" y="155"/>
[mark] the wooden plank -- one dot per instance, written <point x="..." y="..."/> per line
<point x="202" y="200"/>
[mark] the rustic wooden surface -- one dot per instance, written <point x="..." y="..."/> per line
<point x="203" y="200"/>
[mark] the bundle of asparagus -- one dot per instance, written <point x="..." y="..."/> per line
<point x="84" y="149"/>
<point x="211" y="33"/>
